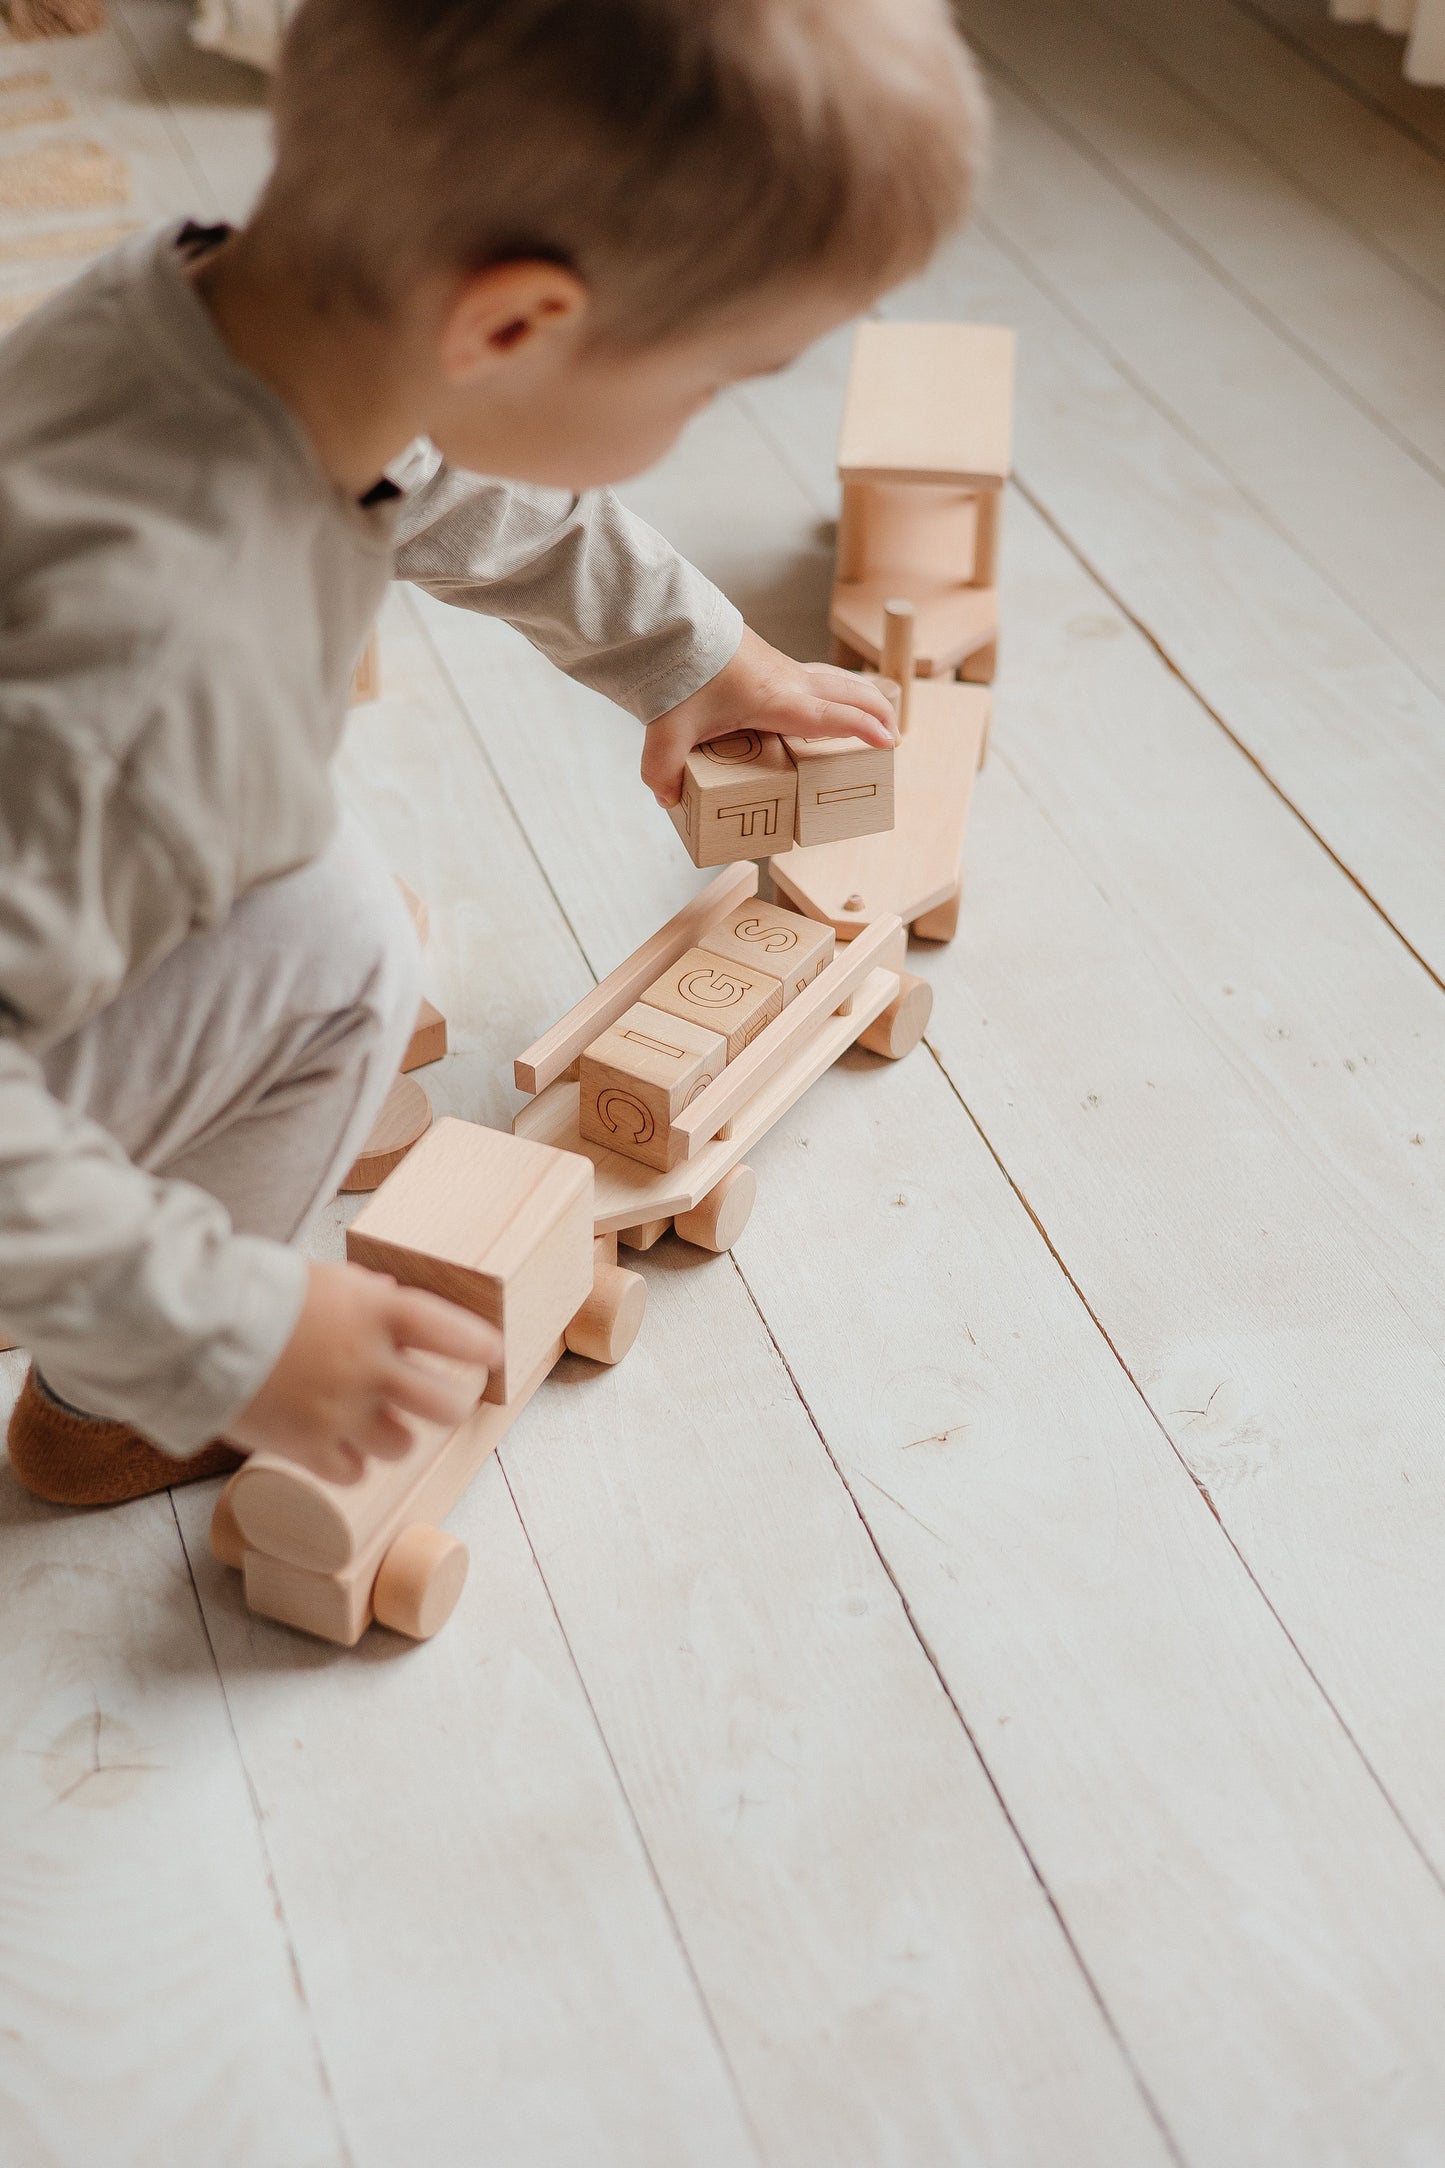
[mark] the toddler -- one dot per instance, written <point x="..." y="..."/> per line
<point x="507" y="249"/>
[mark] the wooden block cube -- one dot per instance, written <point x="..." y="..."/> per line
<point x="639" y="1075"/>
<point x="845" y="788"/>
<point x="739" y="796"/>
<point x="494" y="1222"/>
<point x="718" y="995"/>
<point x="796" y="948"/>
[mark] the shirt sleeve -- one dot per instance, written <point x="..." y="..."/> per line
<point x="133" y="1294"/>
<point x="594" y="587"/>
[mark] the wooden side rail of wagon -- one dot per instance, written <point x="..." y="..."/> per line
<point x="863" y="997"/>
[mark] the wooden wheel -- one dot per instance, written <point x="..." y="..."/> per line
<point x="404" y="1120"/>
<point x="227" y="1542"/>
<point x="716" y="1223"/>
<point x="941" y="923"/>
<point x="421" y="1577"/>
<point x="898" y="1030"/>
<point x="611" y="1317"/>
<point x="980" y="667"/>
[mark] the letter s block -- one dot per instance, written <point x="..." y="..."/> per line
<point x="845" y="788"/>
<point x="793" y="947"/>
<point x="718" y="995"/>
<point x="639" y="1075"/>
<point x="739" y="799"/>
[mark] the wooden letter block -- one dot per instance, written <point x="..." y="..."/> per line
<point x="738" y="798"/>
<point x="845" y="788"/>
<point x="796" y="948"/>
<point x="639" y="1075"/>
<point x="735" y="999"/>
<point x="496" y="1223"/>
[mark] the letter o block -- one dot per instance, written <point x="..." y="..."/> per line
<point x="639" y="1075"/>
<point x="781" y="942"/>
<point x="739" y="799"/>
<point x="718" y="995"/>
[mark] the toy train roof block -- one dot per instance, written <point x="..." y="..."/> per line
<point x="929" y="403"/>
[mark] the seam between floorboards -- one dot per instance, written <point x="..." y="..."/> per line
<point x="1199" y="251"/>
<point x="1323" y="65"/>
<point x="1112" y="2028"/>
<point x="1415" y="1843"/>
<point x="1081" y="557"/>
<point x="654" y="1872"/>
<point x="347" y="2156"/>
<point x="1203" y="103"/>
<point x="1183" y="428"/>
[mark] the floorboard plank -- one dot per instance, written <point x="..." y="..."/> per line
<point x="1325" y="475"/>
<point x="149" y="2012"/>
<point x="1360" y="322"/>
<point x="1347" y="731"/>
<point x="1366" y="60"/>
<point x="1377" y="181"/>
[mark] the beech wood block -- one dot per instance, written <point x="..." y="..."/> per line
<point x="736" y="999"/>
<point x="404" y="1119"/>
<point x="502" y="1226"/>
<point x="929" y="403"/>
<point x="739" y="794"/>
<point x="913" y="867"/>
<point x="554" y="1053"/>
<point x="56" y="18"/>
<point x="428" y="1042"/>
<point x="639" y="1075"/>
<point x="845" y="788"/>
<point x="880" y="943"/>
<point x="645" y="1235"/>
<point x="941" y="923"/>
<point x="782" y="942"/>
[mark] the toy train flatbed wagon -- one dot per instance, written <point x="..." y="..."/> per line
<point x="679" y="1160"/>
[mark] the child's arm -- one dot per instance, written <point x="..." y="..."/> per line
<point x="615" y="606"/>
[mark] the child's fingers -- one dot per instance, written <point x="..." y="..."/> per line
<point x="663" y="753"/>
<point x="845" y="719"/>
<point x="428" y="1322"/>
<point x="335" y="1462"/>
<point x="432" y="1394"/>
<point x="379" y="1434"/>
<point x="854" y="690"/>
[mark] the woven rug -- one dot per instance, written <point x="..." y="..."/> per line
<point x="64" y="196"/>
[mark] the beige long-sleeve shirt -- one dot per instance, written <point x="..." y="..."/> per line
<point x="183" y="596"/>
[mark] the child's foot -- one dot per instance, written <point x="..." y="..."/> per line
<point x="82" y="1460"/>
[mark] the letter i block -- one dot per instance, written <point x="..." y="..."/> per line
<point x="796" y="948"/>
<point x="707" y="990"/>
<point x="497" y="1223"/>
<point x="637" y="1078"/>
<point x="845" y="788"/>
<point x="739" y="798"/>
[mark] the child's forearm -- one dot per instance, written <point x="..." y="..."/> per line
<point x="594" y="587"/>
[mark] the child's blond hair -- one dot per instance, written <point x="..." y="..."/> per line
<point x="679" y="155"/>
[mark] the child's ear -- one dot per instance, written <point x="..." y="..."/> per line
<point x="498" y="313"/>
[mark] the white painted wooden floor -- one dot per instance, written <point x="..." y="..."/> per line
<point x="969" y="1688"/>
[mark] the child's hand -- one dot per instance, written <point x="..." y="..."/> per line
<point x="761" y="689"/>
<point x="346" y="1377"/>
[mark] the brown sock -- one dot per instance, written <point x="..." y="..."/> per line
<point x="83" y="1460"/>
